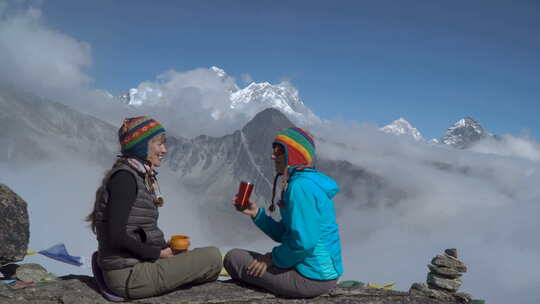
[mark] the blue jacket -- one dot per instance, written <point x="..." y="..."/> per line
<point x="308" y="232"/>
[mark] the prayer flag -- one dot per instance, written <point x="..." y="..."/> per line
<point x="59" y="253"/>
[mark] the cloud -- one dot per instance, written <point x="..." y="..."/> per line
<point x="58" y="199"/>
<point x="246" y="78"/>
<point x="49" y="63"/>
<point x="192" y="103"/>
<point x="509" y="145"/>
<point x="34" y="55"/>
<point x="483" y="201"/>
<point x="182" y="100"/>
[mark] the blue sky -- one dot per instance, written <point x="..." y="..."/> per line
<point x="431" y="62"/>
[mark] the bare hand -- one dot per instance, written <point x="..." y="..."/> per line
<point x="166" y="253"/>
<point x="259" y="265"/>
<point x="251" y="209"/>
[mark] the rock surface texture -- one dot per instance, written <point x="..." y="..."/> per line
<point x="82" y="290"/>
<point x="31" y="273"/>
<point x="14" y="226"/>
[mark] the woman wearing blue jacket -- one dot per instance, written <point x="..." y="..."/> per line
<point x="307" y="262"/>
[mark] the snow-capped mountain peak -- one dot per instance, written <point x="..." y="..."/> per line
<point x="280" y="96"/>
<point x="463" y="133"/>
<point x="283" y="96"/>
<point x="249" y="100"/>
<point x="402" y="127"/>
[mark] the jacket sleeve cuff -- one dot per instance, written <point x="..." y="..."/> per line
<point x="258" y="216"/>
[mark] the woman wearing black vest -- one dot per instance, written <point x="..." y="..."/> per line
<point x="133" y="255"/>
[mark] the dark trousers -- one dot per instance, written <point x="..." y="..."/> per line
<point x="281" y="282"/>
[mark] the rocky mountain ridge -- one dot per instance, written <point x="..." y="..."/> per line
<point x="217" y="163"/>
<point x="284" y="97"/>
<point x="464" y="133"/>
<point x="34" y="129"/>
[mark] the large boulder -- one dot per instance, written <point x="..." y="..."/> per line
<point x="14" y="226"/>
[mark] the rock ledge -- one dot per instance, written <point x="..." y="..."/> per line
<point x="82" y="290"/>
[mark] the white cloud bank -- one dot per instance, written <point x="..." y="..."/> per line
<point x="485" y="204"/>
<point x="38" y="56"/>
<point x="509" y="145"/>
<point x="48" y="63"/>
<point x="192" y="103"/>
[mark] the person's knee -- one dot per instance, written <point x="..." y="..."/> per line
<point x="232" y="257"/>
<point x="212" y="256"/>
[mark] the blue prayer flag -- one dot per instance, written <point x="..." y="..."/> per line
<point x="59" y="253"/>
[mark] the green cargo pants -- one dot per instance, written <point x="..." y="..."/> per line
<point x="154" y="278"/>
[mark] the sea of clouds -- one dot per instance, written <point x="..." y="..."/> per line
<point x="483" y="200"/>
<point x="483" y="203"/>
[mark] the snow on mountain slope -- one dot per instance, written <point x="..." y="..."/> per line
<point x="403" y="127"/>
<point x="284" y="97"/>
<point x="248" y="101"/>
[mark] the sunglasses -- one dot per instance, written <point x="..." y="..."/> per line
<point x="278" y="150"/>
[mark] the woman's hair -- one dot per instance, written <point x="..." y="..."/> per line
<point x="273" y="204"/>
<point x="99" y="192"/>
<point x="91" y="218"/>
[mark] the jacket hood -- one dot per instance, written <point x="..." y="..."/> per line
<point x="327" y="184"/>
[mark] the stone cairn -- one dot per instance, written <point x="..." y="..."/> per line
<point x="444" y="278"/>
<point x="445" y="271"/>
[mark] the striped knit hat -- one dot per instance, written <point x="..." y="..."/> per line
<point x="135" y="133"/>
<point x="298" y="145"/>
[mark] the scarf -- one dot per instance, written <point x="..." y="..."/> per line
<point x="150" y="179"/>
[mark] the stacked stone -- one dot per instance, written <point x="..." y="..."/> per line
<point x="445" y="271"/>
<point x="443" y="280"/>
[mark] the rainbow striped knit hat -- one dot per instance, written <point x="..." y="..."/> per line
<point x="135" y="133"/>
<point x="298" y="145"/>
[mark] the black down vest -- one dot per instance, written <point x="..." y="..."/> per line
<point x="141" y="224"/>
